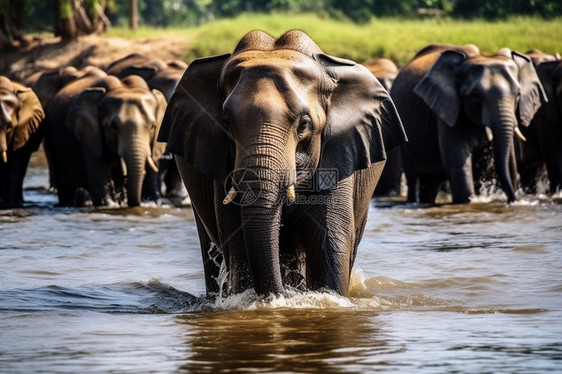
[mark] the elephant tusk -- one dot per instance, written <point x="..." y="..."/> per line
<point x="152" y="164"/>
<point x="291" y="193"/>
<point x="489" y="134"/>
<point x="5" y="157"/>
<point x="230" y="196"/>
<point x="124" y="167"/>
<point x="520" y="134"/>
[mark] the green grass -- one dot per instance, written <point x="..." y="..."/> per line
<point x="397" y="39"/>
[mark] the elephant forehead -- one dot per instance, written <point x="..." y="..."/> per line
<point x="126" y="98"/>
<point x="271" y="62"/>
<point x="130" y="94"/>
<point x="491" y="69"/>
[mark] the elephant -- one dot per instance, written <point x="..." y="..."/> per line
<point x="94" y="123"/>
<point x="21" y="116"/>
<point x="448" y="96"/>
<point x="385" y="70"/>
<point x="47" y="83"/>
<point x="163" y="76"/>
<point x="543" y="145"/>
<point x="280" y="147"/>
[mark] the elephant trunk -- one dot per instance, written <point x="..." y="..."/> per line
<point x="503" y="130"/>
<point x="135" y="153"/>
<point x="264" y="177"/>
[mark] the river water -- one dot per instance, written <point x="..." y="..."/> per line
<point x="446" y="289"/>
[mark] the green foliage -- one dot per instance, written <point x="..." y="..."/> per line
<point x="393" y="38"/>
<point x="65" y="9"/>
<point x="192" y="12"/>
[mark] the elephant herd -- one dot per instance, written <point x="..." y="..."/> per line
<point x="281" y="146"/>
<point x="98" y="128"/>
<point x="472" y="117"/>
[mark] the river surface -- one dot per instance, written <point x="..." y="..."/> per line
<point x="445" y="289"/>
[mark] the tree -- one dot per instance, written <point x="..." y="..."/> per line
<point x="12" y="16"/>
<point x="133" y="19"/>
<point x="74" y="18"/>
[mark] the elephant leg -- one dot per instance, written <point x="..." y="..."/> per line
<point x="98" y="172"/>
<point x="328" y="231"/>
<point x="212" y="259"/>
<point x="151" y="186"/>
<point x="14" y="175"/>
<point x="172" y="180"/>
<point x="411" y="178"/>
<point x="553" y="156"/>
<point x="202" y="192"/>
<point x="428" y="187"/>
<point x="231" y="237"/>
<point x="389" y="183"/>
<point x="456" y="152"/>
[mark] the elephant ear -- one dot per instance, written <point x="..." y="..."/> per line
<point x="82" y="119"/>
<point x="438" y="87"/>
<point x="532" y="91"/>
<point x="30" y="116"/>
<point x="158" y="148"/>
<point x="362" y="122"/>
<point x="193" y="122"/>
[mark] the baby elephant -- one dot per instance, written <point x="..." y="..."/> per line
<point x="21" y="114"/>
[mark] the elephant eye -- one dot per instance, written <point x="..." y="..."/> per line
<point x="304" y="127"/>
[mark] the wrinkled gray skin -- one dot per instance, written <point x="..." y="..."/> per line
<point x="276" y="115"/>
<point x="21" y="114"/>
<point x="385" y="70"/>
<point x="543" y="146"/>
<point x="163" y="76"/>
<point x="92" y="124"/>
<point x="447" y="96"/>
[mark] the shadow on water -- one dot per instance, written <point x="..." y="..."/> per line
<point x="281" y="340"/>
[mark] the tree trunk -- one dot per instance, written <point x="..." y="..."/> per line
<point x="133" y="21"/>
<point x="72" y="20"/>
<point x="10" y="35"/>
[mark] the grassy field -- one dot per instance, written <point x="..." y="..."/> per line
<point x="393" y="38"/>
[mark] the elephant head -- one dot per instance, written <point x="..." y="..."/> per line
<point x="119" y="119"/>
<point x="495" y="91"/>
<point x="20" y="116"/>
<point x="268" y="115"/>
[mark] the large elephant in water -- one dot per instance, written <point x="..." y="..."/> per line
<point x="100" y="133"/>
<point x="21" y="114"/>
<point x="447" y="97"/>
<point x="280" y="147"/>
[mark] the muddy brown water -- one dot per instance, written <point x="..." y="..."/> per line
<point x="447" y="289"/>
